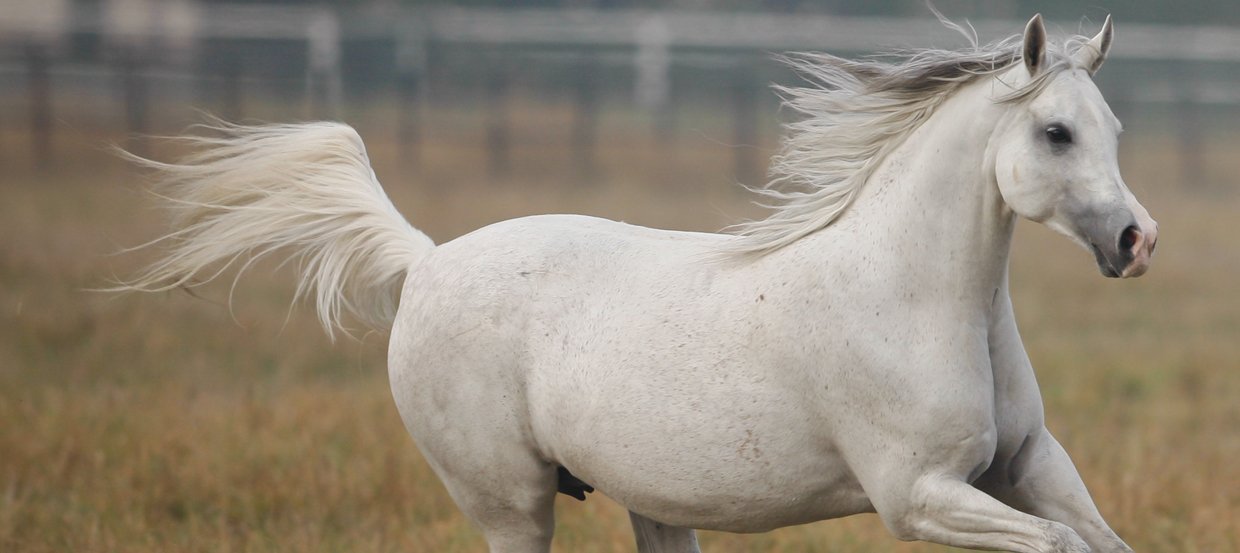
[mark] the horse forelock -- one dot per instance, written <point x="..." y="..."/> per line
<point x="854" y="113"/>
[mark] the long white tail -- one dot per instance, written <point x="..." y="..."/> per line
<point x="307" y="189"/>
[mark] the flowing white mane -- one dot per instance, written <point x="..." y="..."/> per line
<point x="857" y="112"/>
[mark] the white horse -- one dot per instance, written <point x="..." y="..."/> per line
<point x="854" y="352"/>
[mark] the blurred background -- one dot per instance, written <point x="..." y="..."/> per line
<point x="170" y="423"/>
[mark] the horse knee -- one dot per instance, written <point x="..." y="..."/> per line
<point x="1064" y="539"/>
<point x="914" y="515"/>
<point x="909" y="525"/>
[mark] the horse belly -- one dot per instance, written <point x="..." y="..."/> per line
<point x="700" y="461"/>
<point x="755" y="491"/>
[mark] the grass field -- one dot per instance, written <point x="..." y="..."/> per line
<point x="167" y="423"/>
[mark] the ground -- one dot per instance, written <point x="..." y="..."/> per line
<point x="170" y="423"/>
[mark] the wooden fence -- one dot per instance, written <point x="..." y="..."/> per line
<point x="135" y="40"/>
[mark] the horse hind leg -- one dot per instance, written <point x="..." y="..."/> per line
<point x="656" y="537"/>
<point x="511" y="503"/>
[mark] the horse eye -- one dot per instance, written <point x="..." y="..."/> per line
<point x="1058" y="134"/>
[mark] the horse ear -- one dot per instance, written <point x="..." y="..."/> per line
<point x="1034" y="51"/>
<point x="1093" y="53"/>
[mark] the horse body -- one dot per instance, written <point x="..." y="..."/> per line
<point x="690" y="390"/>
<point x="610" y="361"/>
<point x="866" y="360"/>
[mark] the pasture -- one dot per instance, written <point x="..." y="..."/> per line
<point x="170" y="423"/>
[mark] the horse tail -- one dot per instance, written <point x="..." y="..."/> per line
<point x="304" y="189"/>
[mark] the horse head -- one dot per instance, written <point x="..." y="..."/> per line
<point x="1056" y="156"/>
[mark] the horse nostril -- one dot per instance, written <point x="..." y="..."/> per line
<point x="1128" y="238"/>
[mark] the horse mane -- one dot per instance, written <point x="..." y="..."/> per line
<point x="856" y="112"/>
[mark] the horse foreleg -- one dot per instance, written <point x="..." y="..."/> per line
<point x="656" y="537"/>
<point x="946" y="510"/>
<point x="1041" y="480"/>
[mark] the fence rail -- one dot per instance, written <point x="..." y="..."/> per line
<point x="139" y="40"/>
<point x="184" y="21"/>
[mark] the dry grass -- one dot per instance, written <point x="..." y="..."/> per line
<point x="161" y="424"/>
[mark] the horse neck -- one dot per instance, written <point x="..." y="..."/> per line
<point x="932" y="210"/>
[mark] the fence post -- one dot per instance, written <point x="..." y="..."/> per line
<point x="498" y="142"/>
<point x="134" y="89"/>
<point x="744" y="123"/>
<point x="323" y="80"/>
<point x="411" y="61"/>
<point x="665" y="114"/>
<point x="585" y="115"/>
<point x="1192" y="162"/>
<point x="39" y="97"/>
<point x="232" y="95"/>
<point x="654" y="61"/>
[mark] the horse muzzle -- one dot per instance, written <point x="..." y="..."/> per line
<point x="1128" y="254"/>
